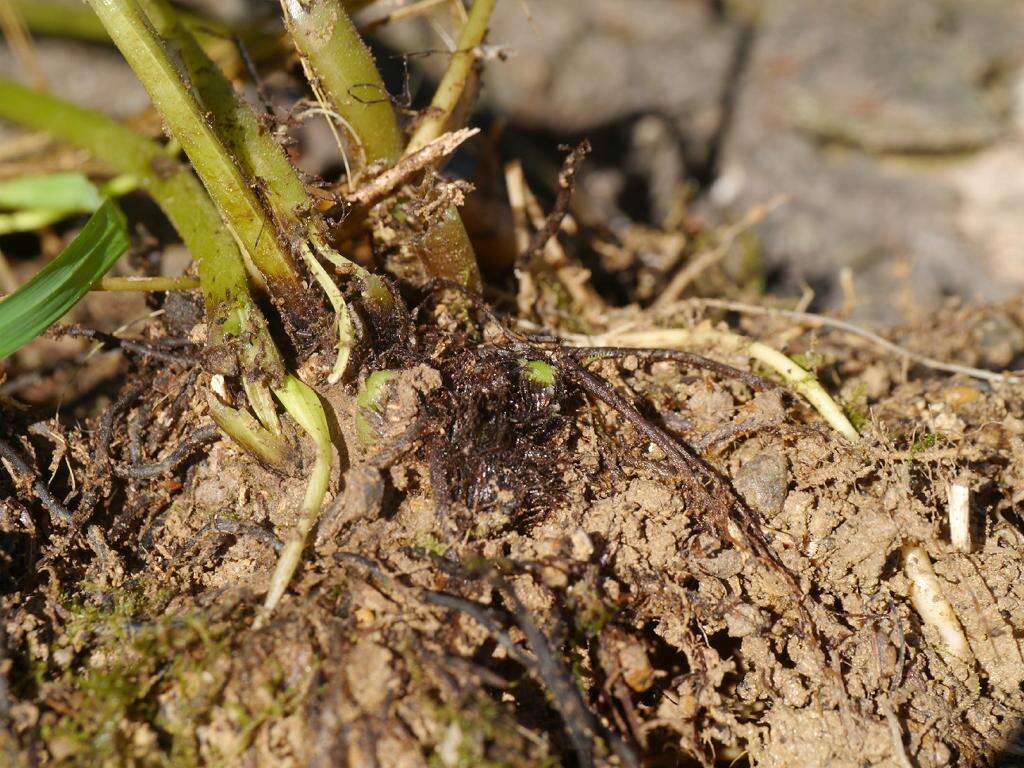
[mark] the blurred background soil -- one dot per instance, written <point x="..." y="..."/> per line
<point x="893" y="128"/>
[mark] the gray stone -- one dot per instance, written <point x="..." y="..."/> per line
<point x="763" y="482"/>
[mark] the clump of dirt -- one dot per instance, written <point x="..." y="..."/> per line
<point x="511" y="572"/>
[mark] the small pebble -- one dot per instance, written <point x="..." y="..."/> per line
<point x="763" y="482"/>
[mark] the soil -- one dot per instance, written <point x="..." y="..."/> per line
<point x="511" y="571"/>
<point x="876" y="118"/>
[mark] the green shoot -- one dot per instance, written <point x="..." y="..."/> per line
<point x="55" y="289"/>
<point x="262" y="210"/>
<point x="458" y="74"/>
<point x="304" y="406"/>
<point x="445" y="249"/>
<point x="269" y="448"/>
<point x="803" y="381"/>
<point x="346" y="331"/>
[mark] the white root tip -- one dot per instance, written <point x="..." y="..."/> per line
<point x="931" y="604"/>
<point x="958" y="507"/>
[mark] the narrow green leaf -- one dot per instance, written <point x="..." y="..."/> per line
<point x="71" y="192"/>
<point x="38" y="201"/>
<point x="29" y="221"/>
<point x="58" y="286"/>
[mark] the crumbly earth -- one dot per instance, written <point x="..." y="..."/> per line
<point x="589" y="560"/>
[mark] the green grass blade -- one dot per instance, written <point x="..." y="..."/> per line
<point x="29" y="221"/>
<point x="52" y="192"/>
<point x="39" y="201"/>
<point x="56" y="288"/>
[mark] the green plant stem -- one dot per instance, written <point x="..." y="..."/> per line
<point x="346" y="76"/>
<point x="445" y="249"/>
<point x="458" y="74"/>
<point x="447" y="252"/>
<point x="240" y="208"/>
<point x="170" y="183"/>
<point x="259" y="155"/>
<point x="262" y="161"/>
<point x="229" y="306"/>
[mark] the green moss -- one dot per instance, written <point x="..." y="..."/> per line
<point x="137" y="689"/>
<point x="925" y="442"/>
<point x="856" y="409"/>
